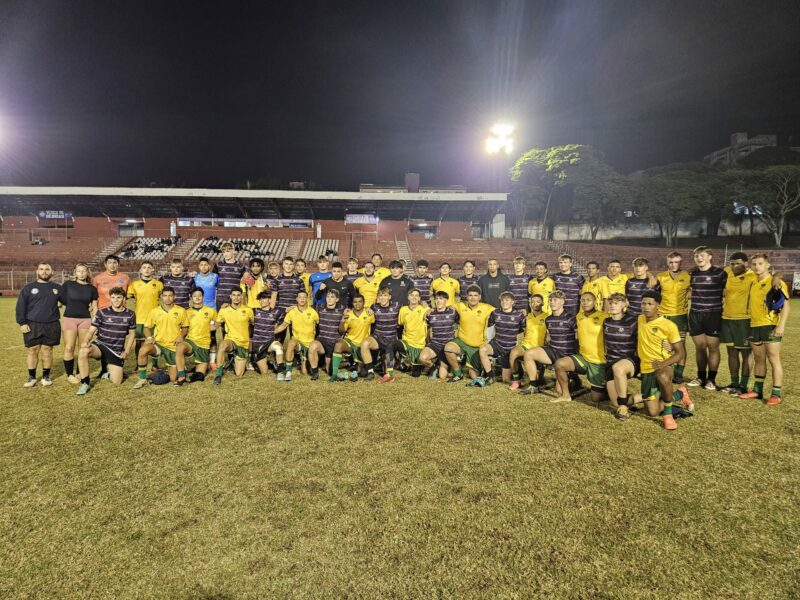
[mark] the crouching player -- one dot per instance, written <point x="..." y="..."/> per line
<point x="355" y="326"/>
<point x="620" y="331"/>
<point x="263" y="343"/>
<point x="303" y="319"/>
<point x="202" y="322"/>
<point x="115" y="327"/>
<point x="535" y="334"/>
<point x="237" y="319"/>
<point x="330" y="323"/>
<point x="474" y="317"/>
<point x="165" y="328"/>
<point x="384" y="338"/>
<point x="441" y="325"/>
<point x="508" y="323"/>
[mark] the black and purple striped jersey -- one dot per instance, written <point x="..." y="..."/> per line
<point x="386" y="320"/>
<point x="113" y="327"/>
<point x="561" y="330"/>
<point x="634" y="289"/>
<point x="464" y="283"/>
<point x="264" y="322"/>
<point x="183" y="285"/>
<point x="230" y="276"/>
<point x="442" y="324"/>
<point x="287" y="287"/>
<point x="571" y="284"/>
<point x="423" y="284"/>
<point x="621" y="337"/>
<point x="507" y="325"/>
<point x="351" y="277"/>
<point x="707" y="289"/>
<point x="329" y="320"/>
<point x="519" y="287"/>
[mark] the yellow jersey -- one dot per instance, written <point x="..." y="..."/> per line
<point x="146" y="294"/>
<point x="368" y="289"/>
<point x="167" y="324"/>
<point x="737" y="295"/>
<point x="616" y="285"/>
<point x="591" y="342"/>
<point x="382" y="273"/>
<point x="305" y="277"/>
<point x="674" y="293"/>
<point x="759" y="315"/>
<point x="200" y="322"/>
<point x="304" y="324"/>
<point x="598" y="288"/>
<point x="472" y="323"/>
<point x="358" y="326"/>
<point x="237" y="323"/>
<point x="251" y="293"/>
<point x="415" y="327"/>
<point x="535" y="330"/>
<point x="449" y="285"/>
<point x="652" y="334"/>
<point x="544" y="288"/>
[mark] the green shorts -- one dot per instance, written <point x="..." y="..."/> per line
<point x="200" y="355"/>
<point x="595" y="372"/>
<point x="735" y="332"/>
<point x="471" y="357"/>
<point x="412" y="353"/>
<point x="763" y="335"/>
<point x="682" y="321"/>
<point x="355" y="350"/>
<point x="169" y="355"/>
<point x="240" y="352"/>
<point x="650" y="389"/>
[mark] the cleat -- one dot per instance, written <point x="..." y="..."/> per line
<point x="678" y="380"/>
<point x="773" y="401"/>
<point x="751" y="395"/>
<point x="332" y="379"/>
<point x="280" y="376"/>
<point x="686" y="401"/>
<point x="515" y="385"/>
<point x="46" y="382"/>
<point x="433" y="375"/>
<point x="730" y="389"/>
<point x="105" y="375"/>
<point x="386" y="379"/>
<point x="314" y="376"/>
<point x="287" y="377"/>
<point x="696" y="382"/>
<point x="622" y="413"/>
<point x="678" y="412"/>
<point x="529" y="391"/>
<point x="73" y="380"/>
<point x="83" y="389"/>
<point x="669" y="423"/>
<point x="477" y="382"/>
<point x="455" y="379"/>
<point x="370" y="376"/>
<point x="711" y="386"/>
<point x="354" y="376"/>
<point x="218" y="380"/>
<point x="179" y="381"/>
<point x="30" y="383"/>
<point x="140" y="383"/>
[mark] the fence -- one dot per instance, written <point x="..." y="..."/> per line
<point x="14" y="281"/>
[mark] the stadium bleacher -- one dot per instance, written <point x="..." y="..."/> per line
<point x="316" y="248"/>
<point x="148" y="248"/>
<point x="246" y="248"/>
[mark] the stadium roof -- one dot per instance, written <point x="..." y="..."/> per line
<point x="261" y="204"/>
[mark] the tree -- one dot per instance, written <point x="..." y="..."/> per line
<point x="776" y="194"/>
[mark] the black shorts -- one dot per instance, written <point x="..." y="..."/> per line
<point x="108" y="356"/>
<point x="42" y="334"/>
<point x="552" y="354"/>
<point x="328" y="346"/>
<point x="705" y="323"/>
<point x="261" y="351"/>
<point x="501" y="355"/>
<point x="388" y="346"/>
<point x="439" y="349"/>
<point x="610" y="366"/>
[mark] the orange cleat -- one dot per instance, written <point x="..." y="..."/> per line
<point x="751" y="395"/>
<point x="773" y="401"/>
<point x="386" y="379"/>
<point x="669" y="423"/>
<point x="686" y="401"/>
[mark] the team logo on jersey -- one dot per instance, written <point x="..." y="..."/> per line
<point x="55" y="291"/>
<point x="36" y="290"/>
<point x="654" y="329"/>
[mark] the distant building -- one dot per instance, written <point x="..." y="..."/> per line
<point x="412" y="186"/>
<point x="741" y="146"/>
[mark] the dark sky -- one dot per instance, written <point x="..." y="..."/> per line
<point x="210" y="94"/>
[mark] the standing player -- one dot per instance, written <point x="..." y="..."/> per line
<point x="542" y="284"/>
<point x="165" y="328"/>
<point x="642" y="280"/>
<point x="767" y="325"/>
<point x="353" y="272"/>
<point x="145" y="291"/>
<point x="303" y="320"/>
<point x="38" y="319"/>
<point x="338" y="282"/>
<point x="441" y="326"/>
<point x="237" y="319"/>
<point x="422" y="281"/>
<point x="705" y="317"/>
<point x="287" y="285"/>
<point x="331" y="317"/>
<point x="205" y="279"/>
<point x="493" y="283"/>
<point x="590" y="360"/>
<point x="381" y="272"/>
<point x="614" y="280"/>
<point x="518" y="284"/>
<point x="108" y="279"/>
<point x="735" y="330"/>
<point x="384" y="336"/>
<point x="253" y="283"/>
<point x="355" y="326"/>
<point x="230" y="273"/>
<point x="367" y="285"/>
<point x="316" y="279"/>
<point x="508" y="323"/>
<point x="197" y="344"/>
<point x="263" y="342"/>
<point x="569" y="282"/>
<point x="179" y="281"/>
<point x="115" y="327"/>
<point x="675" y="284"/>
<point x="79" y="298"/>
<point x="272" y="274"/>
<point x="595" y="284"/>
<point x="535" y="336"/>
<point x="300" y="271"/>
<point x="415" y="330"/>
<point x="445" y="283"/>
<point x="467" y="279"/>
<point x="474" y="316"/>
<point x="397" y="283"/>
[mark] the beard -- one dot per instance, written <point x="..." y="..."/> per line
<point x="45" y="277"/>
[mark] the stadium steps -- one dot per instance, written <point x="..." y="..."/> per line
<point x="294" y="247"/>
<point x="111" y="247"/>
<point x="404" y="254"/>
<point x="183" y="249"/>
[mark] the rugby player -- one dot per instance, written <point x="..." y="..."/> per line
<point x="642" y="280"/>
<point x="705" y="317"/>
<point x="197" y="344"/>
<point x="535" y="335"/>
<point x="474" y="317"/>
<point x="331" y="316"/>
<point x="441" y="326"/>
<point x="108" y="279"/>
<point x="367" y="285"/>
<point x="266" y="319"/>
<point x="206" y="280"/>
<point x="303" y="320"/>
<point x="415" y="330"/>
<point x="595" y="284"/>
<point x="38" y="319"/>
<point x="355" y="326"/>
<point x="237" y="319"/>
<point x="465" y="281"/>
<point x="447" y="284"/>
<point x="422" y="281"/>
<point x="518" y="284"/>
<point x="165" y="328"/>
<point x="179" y="281"/>
<point x="493" y="283"/>
<point x="384" y="336"/>
<point x="614" y="280"/>
<point x="508" y="324"/>
<point x="735" y="330"/>
<point x="253" y="283"/>
<point x="145" y="290"/>
<point x="569" y="282"/>
<point x="230" y="272"/>
<point x="675" y="284"/>
<point x="542" y="284"/>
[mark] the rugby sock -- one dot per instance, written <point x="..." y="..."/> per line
<point x="390" y="371"/>
<point x="679" y="370"/>
<point x="667" y="408"/>
<point x="624" y="401"/>
<point x="516" y="377"/>
<point x="32" y="373"/>
<point x="734" y="381"/>
<point x="69" y="366"/>
<point x="712" y="376"/>
<point x="181" y="374"/>
<point x="289" y="367"/>
<point x="46" y="373"/>
<point x="103" y="365"/>
<point x="776" y="390"/>
<point x="457" y="373"/>
<point x="154" y="362"/>
<point x="758" y="387"/>
<point x="314" y="370"/>
<point x="368" y="366"/>
<point x="337" y="360"/>
<point x="142" y="372"/>
<point x="220" y="370"/>
<point x="85" y="380"/>
<point x="701" y="375"/>
<point x="744" y="382"/>
<point x="677" y="395"/>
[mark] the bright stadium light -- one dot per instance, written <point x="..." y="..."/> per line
<point x="501" y="139"/>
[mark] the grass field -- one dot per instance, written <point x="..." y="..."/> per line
<point x="258" y="489"/>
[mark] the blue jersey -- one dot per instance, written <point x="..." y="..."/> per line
<point x="315" y="280"/>
<point x="208" y="283"/>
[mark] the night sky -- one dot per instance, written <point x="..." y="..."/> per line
<point x="211" y="94"/>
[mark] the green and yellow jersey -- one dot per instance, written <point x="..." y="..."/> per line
<point x="535" y="330"/>
<point x="368" y="289"/>
<point x="591" y="342"/>
<point x="760" y="316"/>
<point x="449" y="285"/>
<point x="674" y="293"/>
<point x="544" y="288"/>
<point x="357" y="326"/>
<point x="200" y="322"/>
<point x="652" y="335"/>
<point x="146" y="294"/>
<point x="472" y="323"/>
<point x="737" y="294"/>
<point x="237" y="323"/>
<point x="167" y="324"/>
<point x="303" y="322"/>
<point x="415" y="327"/>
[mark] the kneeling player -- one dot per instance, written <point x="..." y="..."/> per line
<point x="237" y="319"/>
<point x="508" y="323"/>
<point x="303" y="319"/>
<point x="202" y="322"/>
<point x="415" y="330"/>
<point x="535" y="335"/>
<point x="165" y="328"/>
<point x="474" y="317"/>
<point x="263" y="343"/>
<point x="441" y="325"/>
<point x="115" y="327"/>
<point x="355" y="326"/>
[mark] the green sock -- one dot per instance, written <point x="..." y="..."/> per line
<point x="734" y="381"/>
<point x="182" y="374"/>
<point x="516" y="377"/>
<point x="744" y="382"/>
<point x="220" y="370"/>
<point x="667" y="408"/>
<point x="143" y="372"/>
<point x="289" y="367"/>
<point x="776" y="390"/>
<point x="154" y="362"/>
<point x="390" y="372"/>
<point x="758" y="388"/>
<point x="679" y="370"/>
<point x="457" y="373"/>
<point x="337" y="359"/>
<point x="676" y="396"/>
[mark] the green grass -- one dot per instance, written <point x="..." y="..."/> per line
<point x="256" y="490"/>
